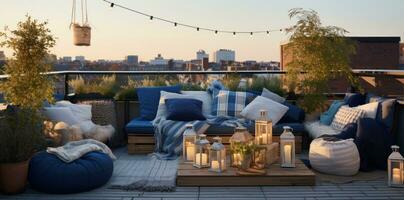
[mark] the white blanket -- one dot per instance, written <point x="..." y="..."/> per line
<point x="76" y="149"/>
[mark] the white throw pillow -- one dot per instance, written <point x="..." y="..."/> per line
<point x="270" y="95"/>
<point x="203" y="96"/>
<point x="370" y="109"/>
<point x="316" y="129"/>
<point x="275" y="109"/>
<point x="61" y="114"/>
<point x="162" y="109"/>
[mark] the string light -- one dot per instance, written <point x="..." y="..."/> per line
<point x="216" y="31"/>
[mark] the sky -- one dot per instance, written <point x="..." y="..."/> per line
<point x="117" y="33"/>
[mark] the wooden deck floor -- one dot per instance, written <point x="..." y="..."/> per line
<point x="355" y="190"/>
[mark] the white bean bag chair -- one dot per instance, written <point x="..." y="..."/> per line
<point x="334" y="157"/>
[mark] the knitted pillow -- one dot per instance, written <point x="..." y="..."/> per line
<point x="346" y="115"/>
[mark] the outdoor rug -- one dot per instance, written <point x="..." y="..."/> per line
<point x="145" y="173"/>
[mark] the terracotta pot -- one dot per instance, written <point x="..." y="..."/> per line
<point x="13" y="177"/>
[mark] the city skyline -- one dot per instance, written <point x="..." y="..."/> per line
<point x="117" y="33"/>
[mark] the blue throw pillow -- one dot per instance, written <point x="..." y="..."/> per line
<point x="184" y="109"/>
<point x="327" y="117"/>
<point x="373" y="142"/>
<point x="228" y="103"/>
<point x="149" y="98"/>
<point x="293" y="115"/>
<point x="349" y="132"/>
<point x="354" y="99"/>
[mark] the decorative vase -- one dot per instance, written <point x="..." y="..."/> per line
<point x="13" y="177"/>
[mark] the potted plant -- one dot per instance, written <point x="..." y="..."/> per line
<point x="24" y="90"/>
<point x="323" y="53"/>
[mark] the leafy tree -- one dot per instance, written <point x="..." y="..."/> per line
<point x="322" y="52"/>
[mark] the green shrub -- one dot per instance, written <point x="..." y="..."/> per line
<point x="272" y="83"/>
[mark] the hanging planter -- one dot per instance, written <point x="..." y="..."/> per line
<point x="81" y="32"/>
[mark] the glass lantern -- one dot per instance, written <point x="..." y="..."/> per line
<point x="263" y="129"/>
<point x="217" y="156"/>
<point x="395" y="168"/>
<point x="287" y="147"/>
<point x="240" y="138"/>
<point x="188" y="144"/>
<point x="202" y="146"/>
<point x="260" y="156"/>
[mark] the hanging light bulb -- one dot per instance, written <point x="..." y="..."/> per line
<point x="112" y="5"/>
<point x="197" y="28"/>
<point x="175" y="23"/>
<point x="267" y="32"/>
<point x="151" y="17"/>
<point x="216" y="32"/>
<point x="251" y="34"/>
<point x="234" y="33"/>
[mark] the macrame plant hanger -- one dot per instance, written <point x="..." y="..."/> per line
<point x="81" y="31"/>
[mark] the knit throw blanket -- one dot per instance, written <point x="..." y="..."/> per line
<point x="74" y="150"/>
<point x="168" y="134"/>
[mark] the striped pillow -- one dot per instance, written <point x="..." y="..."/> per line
<point x="228" y="103"/>
<point x="345" y="116"/>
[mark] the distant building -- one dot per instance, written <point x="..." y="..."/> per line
<point x="402" y="53"/>
<point x="80" y="58"/>
<point x="66" y="59"/>
<point x="201" y="54"/>
<point x="2" y="56"/>
<point x="159" y="60"/>
<point x="224" y="55"/>
<point x="132" y="60"/>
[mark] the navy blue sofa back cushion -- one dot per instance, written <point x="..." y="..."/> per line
<point x="184" y="109"/>
<point x="373" y="141"/>
<point x="385" y="112"/>
<point x="354" y="99"/>
<point x="149" y="98"/>
<point x="293" y="115"/>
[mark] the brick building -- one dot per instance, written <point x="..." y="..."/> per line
<point x="371" y="53"/>
<point x="402" y="55"/>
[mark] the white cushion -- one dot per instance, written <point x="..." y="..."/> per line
<point x="316" y="129"/>
<point x="82" y="111"/>
<point x="270" y="95"/>
<point x="162" y="109"/>
<point x="61" y="114"/>
<point x="345" y="116"/>
<point x="275" y="109"/>
<point x="86" y="126"/>
<point x="334" y="157"/>
<point x="203" y="96"/>
<point x="370" y="109"/>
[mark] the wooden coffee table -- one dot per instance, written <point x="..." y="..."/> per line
<point x="188" y="175"/>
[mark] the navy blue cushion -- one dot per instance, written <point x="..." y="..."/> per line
<point x="49" y="174"/>
<point x="327" y="117"/>
<point x="385" y="112"/>
<point x="184" y="109"/>
<point x="219" y="130"/>
<point x="348" y="132"/>
<point x="140" y="126"/>
<point x="354" y="99"/>
<point x="149" y="98"/>
<point x="373" y="142"/>
<point x="294" y="114"/>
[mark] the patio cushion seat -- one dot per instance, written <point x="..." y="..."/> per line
<point x="49" y="174"/>
<point x="139" y="126"/>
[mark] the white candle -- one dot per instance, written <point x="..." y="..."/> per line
<point x="215" y="165"/>
<point x="204" y="159"/>
<point x="264" y="138"/>
<point x="287" y="149"/>
<point x="190" y="152"/>
<point x="396" y="176"/>
<point x="237" y="159"/>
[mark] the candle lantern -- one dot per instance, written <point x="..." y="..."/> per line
<point x="202" y="146"/>
<point x="395" y="168"/>
<point x="217" y="156"/>
<point x="188" y="144"/>
<point x="238" y="141"/>
<point x="287" y="146"/>
<point x="259" y="158"/>
<point x="263" y="129"/>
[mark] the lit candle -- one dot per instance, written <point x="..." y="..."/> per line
<point x="215" y="165"/>
<point x="264" y="139"/>
<point x="190" y="151"/>
<point x="204" y="159"/>
<point x="287" y="149"/>
<point x="237" y="159"/>
<point x="396" y="176"/>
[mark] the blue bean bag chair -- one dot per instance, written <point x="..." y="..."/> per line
<point x="49" y="174"/>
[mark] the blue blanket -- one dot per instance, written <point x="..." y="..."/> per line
<point x="168" y="133"/>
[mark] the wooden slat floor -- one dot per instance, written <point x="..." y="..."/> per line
<point x="355" y="190"/>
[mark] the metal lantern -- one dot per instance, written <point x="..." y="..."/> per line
<point x="287" y="140"/>
<point x="260" y="156"/>
<point x="217" y="156"/>
<point x="241" y="137"/>
<point x="263" y="129"/>
<point x="188" y="144"/>
<point x="202" y="147"/>
<point x="395" y="168"/>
